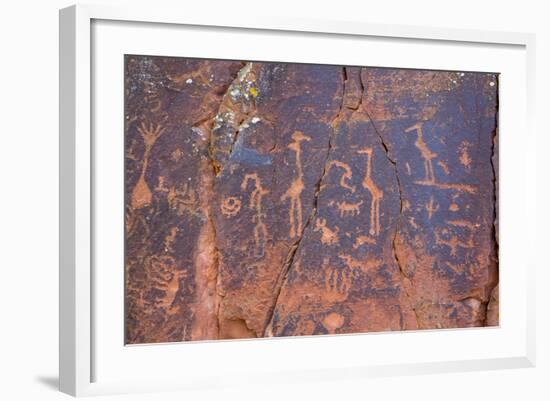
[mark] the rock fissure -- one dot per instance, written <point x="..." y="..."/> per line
<point x="294" y="248"/>
<point x="208" y="204"/>
<point x="494" y="227"/>
<point x="398" y="219"/>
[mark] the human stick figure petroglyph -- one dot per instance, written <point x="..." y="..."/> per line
<point x="294" y="192"/>
<point x="255" y="203"/>
<point x="431" y="208"/>
<point x="141" y="195"/>
<point x="425" y="152"/>
<point x="375" y="191"/>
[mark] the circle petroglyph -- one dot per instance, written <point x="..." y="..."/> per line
<point x="231" y="206"/>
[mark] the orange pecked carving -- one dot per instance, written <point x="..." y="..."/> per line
<point x="328" y="236"/>
<point x="294" y="192"/>
<point x="141" y="195"/>
<point x="346" y="176"/>
<point x="255" y="203"/>
<point x="347" y="208"/>
<point x="376" y="194"/>
<point x="425" y="152"/>
<point x="230" y="206"/>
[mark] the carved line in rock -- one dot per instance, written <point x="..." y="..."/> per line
<point x="401" y="270"/>
<point x="375" y="192"/>
<point x="260" y="229"/>
<point x="328" y="236"/>
<point x="428" y="155"/>
<point x="182" y="200"/>
<point x="347" y="175"/>
<point x="425" y="152"/>
<point x="141" y="195"/>
<point x="347" y="209"/>
<point x="294" y="192"/>
<point x="338" y="283"/>
<point x="231" y="206"/>
<point x="431" y="208"/>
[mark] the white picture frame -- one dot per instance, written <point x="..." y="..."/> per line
<point x="86" y="353"/>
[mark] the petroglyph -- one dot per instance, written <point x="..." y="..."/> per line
<point x="465" y="158"/>
<point x="160" y="276"/>
<point x="294" y="192"/>
<point x="444" y="167"/>
<point x="338" y="282"/>
<point x="363" y="265"/>
<point x="375" y="192"/>
<point x="255" y="203"/>
<point x="351" y="262"/>
<point x="328" y="236"/>
<point x="425" y="152"/>
<point x="176" y="155"/>
<point x="453" y="207"/>
<point x="456" y="187"/>
<point x="463" y="223"/>
<point x="453" y="242"/>
<point x="182" y="200"/>
<point x="362" y="240"/>
<point x="141" y="195"/>
<point x="347" y="209"/>
<point x="447" y="238"/>
<point x="230" y="206"/>
<point x="347" y="175"/>
<point x="333" y="321"/>
<point x="431" y="208"/>
<point x="454" y="267"/>
<point x="428" y="155"/>
<point x="169" y="240"/>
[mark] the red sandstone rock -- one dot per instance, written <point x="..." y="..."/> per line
<point x="268" y="199"/>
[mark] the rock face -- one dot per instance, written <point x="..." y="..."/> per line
<point x="268" y="199"/>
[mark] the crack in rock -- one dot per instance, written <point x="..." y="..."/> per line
<point x="294" y="247"/>
<point x="398" y="219"/>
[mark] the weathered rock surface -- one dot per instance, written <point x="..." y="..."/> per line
<point x="268" y="199"/>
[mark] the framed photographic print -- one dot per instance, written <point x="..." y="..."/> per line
<point x="323" y="199"/>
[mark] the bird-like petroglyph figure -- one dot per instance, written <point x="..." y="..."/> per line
<point x="294" y="192"/>
<point x="375" y="191"/>
<point x="425" y="152"/>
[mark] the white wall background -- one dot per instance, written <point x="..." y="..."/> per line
<point x="29" y="197"/>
